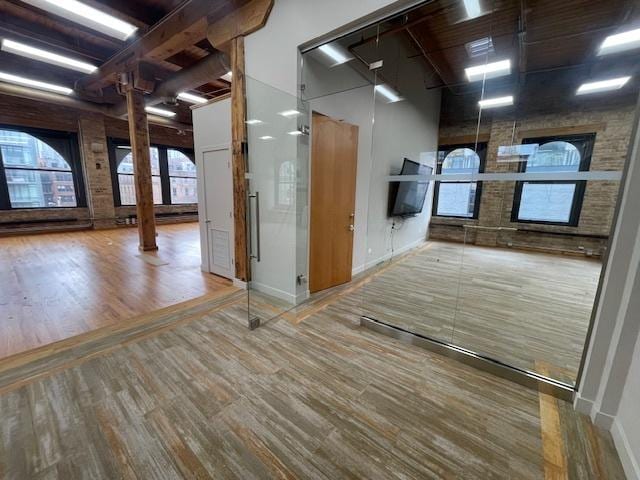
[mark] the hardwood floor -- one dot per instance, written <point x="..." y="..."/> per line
<point x="58" y="285"/>
<point x="529" y="310"/>
<point x="198" y="395"/>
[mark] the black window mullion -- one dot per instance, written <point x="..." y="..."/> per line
<point x="164" y="176"/>
<point x="5" y="202"/>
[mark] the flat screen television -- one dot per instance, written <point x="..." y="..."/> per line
<point x="407" y="198"/>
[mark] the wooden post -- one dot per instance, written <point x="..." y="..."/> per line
<point x="239" y="138"/>
<point x="139" y="135"/>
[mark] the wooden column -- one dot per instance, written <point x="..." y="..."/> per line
<point x="139" y="135"/>
<point x="239" y="139"/>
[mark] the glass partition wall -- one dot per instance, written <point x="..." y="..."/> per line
<point x="491" y="146"/>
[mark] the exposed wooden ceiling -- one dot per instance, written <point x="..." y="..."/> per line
<point x="25" y="23"/>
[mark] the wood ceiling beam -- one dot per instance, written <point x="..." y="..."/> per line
<point x="241" y="22"/>
<point x="182" y="28"/>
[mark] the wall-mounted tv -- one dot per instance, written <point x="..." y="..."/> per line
<point x="407" y="198"/>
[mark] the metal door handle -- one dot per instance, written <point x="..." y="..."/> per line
<point x="257" y="197"/>
<point x="351" y="228"/>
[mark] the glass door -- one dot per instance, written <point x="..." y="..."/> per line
<point x="277" y="123"/>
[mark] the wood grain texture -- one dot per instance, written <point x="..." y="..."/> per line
<point x="519" y="307"/>
<point x="334" y="160"/>
<point x="139" y="138"/>
<point x="238" y="160"/>
<point x="321" y="400"/>
<point x="56" y="286"/>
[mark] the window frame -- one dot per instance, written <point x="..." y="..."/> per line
<point x="584" y="144"/>
<point x="481" y="151"/>
<point x="165" y="179"/>
<point x="70" y="141"/>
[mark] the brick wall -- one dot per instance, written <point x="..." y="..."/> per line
<point x="93" y="130"/>
<point x="613" y="132"/>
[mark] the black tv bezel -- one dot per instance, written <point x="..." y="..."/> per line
<point x="394" y="188"/>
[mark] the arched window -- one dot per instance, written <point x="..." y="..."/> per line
<point x="173" y="175"/>
<point x="286" y="184"/>
<point x="182" y="177"/>
<point x="39" y="169"/>
<point x="553" y="201"/>
<point x="126" y="182"/>
<point x="458" y="199"/>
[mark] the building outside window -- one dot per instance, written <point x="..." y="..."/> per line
<point x="459" y="198"/>
<point x="555" y="202"/>
<point x="173" y="173"/>
<point x="39" y="169"/>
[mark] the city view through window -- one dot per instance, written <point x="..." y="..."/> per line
<point x="37" y="175"/>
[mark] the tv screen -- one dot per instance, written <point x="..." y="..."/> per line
<point x="409" y="196"/>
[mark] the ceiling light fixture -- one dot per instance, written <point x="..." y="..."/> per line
<point x="620" y="42"/>
<point x="188" y="97"/>
<point x="473" y="8"/>
<point x="28" y="82"/>
<point x="266" y="137"/>
<point x="227" y="76"/>
<point x="295" y="133"/>
<point x="602" y="85"/>
<point x="334" y="54"/>
<point x="46" y="56"/>
<point x="388" y="93"/>
<point x="254" y="121"/>
<point x="289" y="113"/>
<point x="160" y="111"/>
<point x="489" y="70"/>
<point x="496" y="102"/>
<point x="88" y="16"/>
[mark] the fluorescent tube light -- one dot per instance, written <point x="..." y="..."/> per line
<point x="496" y="102"/>
<point x="254" y="121"/>
<point x="602" y="85"/>
<point x="387" y="93"/>
<point x="266" y="137"/>
<point x="473" y="8"/>
<point x="289" y="113"/>
<point x="227" y="76"/>
<point x="160" y="111"/>
<point x="489" y="70"/>
<point x="46" y="56"/>
<point x="295" y="133"/>
<point x="188" y="97"/>
<point x="620" y="42"/>
<point x="88" y="16"/>
<point x="334" y="54"/>
<point x="28" y="82"/>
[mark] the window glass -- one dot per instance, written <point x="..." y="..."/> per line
<point x="183" y="190"/>
<point x="547" y="202"/>
<point x="550" y="201"/>
<point x="555" y="157"/>
<point x="461" y="160"/>
<point x="458" y="199"/>
<point x="37" y="175"/>
<point x="126" y="179"/>
<point x="180" y="165"/>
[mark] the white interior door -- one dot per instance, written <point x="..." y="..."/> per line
<point x="219" y="210"/>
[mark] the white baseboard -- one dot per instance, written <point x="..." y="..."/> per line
<point x="583" y="405"/>
<point x="302" y="296"/>
<point x="628" y="457"/>
<point x="603" y="420"/>
<point x="387" y="256"/>
<point x="274" y="292"/>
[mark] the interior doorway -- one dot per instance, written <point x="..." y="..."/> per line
<point x="334" y="158"/>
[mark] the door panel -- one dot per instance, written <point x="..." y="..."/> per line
<point x="219" y="208"/>
<point x="334" y="160"/>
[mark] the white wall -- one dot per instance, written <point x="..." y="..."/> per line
<point x="271" y="53"/>
<point x="211" y="127"/>
<point x="609" y="386"/>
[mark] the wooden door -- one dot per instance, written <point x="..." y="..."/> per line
<point x="334" y="157"/>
